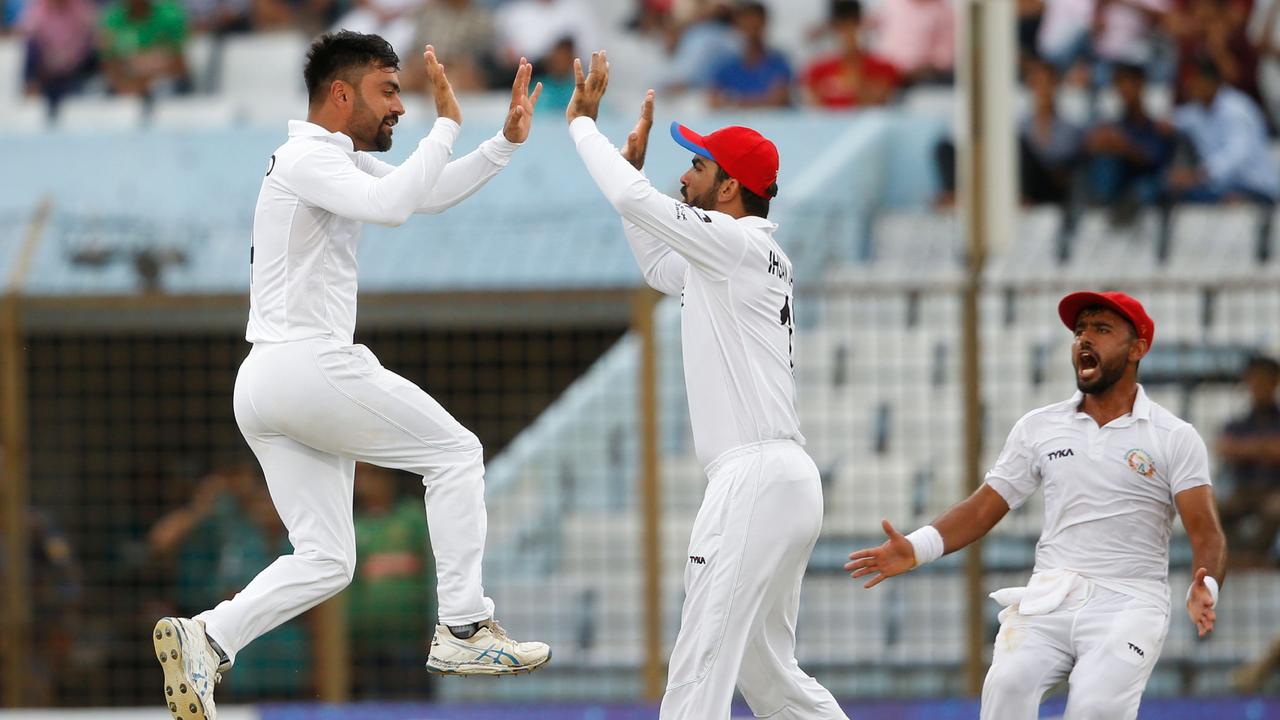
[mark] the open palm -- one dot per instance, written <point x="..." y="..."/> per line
<point x="892" y="557"/>
<point x="520" y="113"/>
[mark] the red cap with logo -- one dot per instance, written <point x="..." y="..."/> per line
<point x="746" y="155"/>
<point x="1130" y="309"/>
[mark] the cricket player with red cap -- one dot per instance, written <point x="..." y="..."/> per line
<point x="762" y="510"/>
<point x="1114" y="466"/>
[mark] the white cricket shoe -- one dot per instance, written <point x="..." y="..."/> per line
<point x="488" y="652"/>
<point x="190" y="668"/>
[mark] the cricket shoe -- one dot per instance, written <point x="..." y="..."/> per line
<point x="190" y="668"/>
<point x="487" y="652"/>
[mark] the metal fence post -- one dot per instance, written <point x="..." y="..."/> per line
<point x="650" y="491"/>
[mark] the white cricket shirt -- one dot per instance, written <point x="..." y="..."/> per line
<point x="736" y="302"/>
<point x="1108" y="491"/>
<point x="315" y="198"/>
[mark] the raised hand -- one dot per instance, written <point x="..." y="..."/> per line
<point x="638" y="139"/>
<point x="1200" y="604"/>
<point x="441" y="90"/>
<point x="893" y="557"/>
<point x="589" y="90"/>
<point x="520" y="114"/>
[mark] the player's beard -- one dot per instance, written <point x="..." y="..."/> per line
<point x="705" y="201"/>
<point x="371" y="129"/>
<point x="1109" y="372"/>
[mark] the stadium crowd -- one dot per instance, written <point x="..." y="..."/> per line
<point x="1207" y="55"/>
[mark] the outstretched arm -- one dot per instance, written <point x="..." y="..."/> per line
<point x="328" y="178"/>
<point x="712" y="241"/>
<point x="461" y="178"/>
<point x="663" y="268"/>
<point x="1208" y="554"/>
<point x="956" y="528"/>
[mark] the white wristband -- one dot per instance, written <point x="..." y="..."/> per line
<point x="928" y="544"/>
<point x="1211" y="583"/>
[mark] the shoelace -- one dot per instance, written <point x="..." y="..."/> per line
<point x="497" y="630"/>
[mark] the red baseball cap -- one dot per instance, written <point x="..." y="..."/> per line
<point x="746" y="155"/>
<point x="1130" y="309"/>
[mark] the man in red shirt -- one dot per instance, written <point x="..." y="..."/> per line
<point x="850" y="77"/>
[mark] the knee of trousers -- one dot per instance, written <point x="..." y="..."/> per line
<point x="336" y="570"/>
<point x="467" y="460"/>
<point x="1010" y="679"/>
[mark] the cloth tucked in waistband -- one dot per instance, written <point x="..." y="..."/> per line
<point x="1045" y="592"/>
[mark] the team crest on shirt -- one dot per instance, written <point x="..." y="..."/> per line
<point x="1141" y="462"/>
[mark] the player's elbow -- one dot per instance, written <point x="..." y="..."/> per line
<point x="629" y="199"/>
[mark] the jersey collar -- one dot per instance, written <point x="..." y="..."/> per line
<point x="302" y="128"/>
<point x="1141" y="407"/>
<point x="755" y="221"/>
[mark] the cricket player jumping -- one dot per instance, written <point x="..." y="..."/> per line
<point x="762" y="511"/>
<point x="311" y="403"/>
<point x="1114" y="466"/>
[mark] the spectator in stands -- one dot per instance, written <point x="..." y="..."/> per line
<point x="220" y="17"/>
<point x="142" y="42"/>
<point x="1126" y="157"/>
<point x="758" y="76"/>
<point x="1030" y="14"/>
<point x="533" y="28"/>
<point x="1048" y="145"/>
<point x="465" y="40"/>
<point x="651" y="17"/>
<point x="852" y="77"/>
<point x="394" y="20"/>
<point x="55" y="593"/>
<point x="706" y="40"/>
<point x="1125" y="31"/>
<point x="1249" y="449"/>
<point x="61" y="37"/>
<point x="1064" y="38"/>
<point x="1217" y="30"/>
<point x="555" y="72"/>
<point x="391" y="600"/>
<point x="918" y="38"/>
<point x="1227" y="135"/>
<point x="226" y="534"/>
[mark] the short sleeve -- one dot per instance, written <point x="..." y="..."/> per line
<point x="1013" y="476"/>
<point x="1188" y="460"/>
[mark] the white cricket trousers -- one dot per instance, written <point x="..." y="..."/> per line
<point x="748" y="552"/>
<point x="1105" y="644"/>
<point x="309" y="410"/>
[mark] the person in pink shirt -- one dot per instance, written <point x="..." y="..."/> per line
<point x="60" y="37"/>
<point x="918" y="38"/>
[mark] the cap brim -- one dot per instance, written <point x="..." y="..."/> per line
<point x="1070" y="306"/>
<point x="690" y="140"/>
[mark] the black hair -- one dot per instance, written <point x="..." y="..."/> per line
<point x="1097" y="308"/>
<point x="842" y="10"/>
<point x="752" y="203"/>
<point x="1132" y="70"/>
<point x="1262" y="363"/>
<point x="1204" y="66"/>
<point x="752" y="8"/>
<point x="344" y="55"/>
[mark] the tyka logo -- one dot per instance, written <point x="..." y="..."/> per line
<point x="1137" y="649"/>
<point x="1060" y="454"/>
<point x="697" y="560"/>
